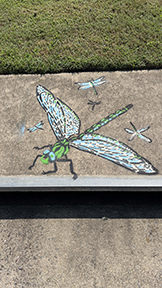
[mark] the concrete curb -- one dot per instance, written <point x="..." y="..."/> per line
<point x="40" y="181"/>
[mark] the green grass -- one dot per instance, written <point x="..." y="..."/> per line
<point x="52" y="36"/>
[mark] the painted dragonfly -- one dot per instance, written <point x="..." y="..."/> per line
<point x="38" y="126"/>
<point x="138" y="133"/>
<point x="65" y="124"/>
<point x="92" y="83"/>
<point x="93" y="103"/>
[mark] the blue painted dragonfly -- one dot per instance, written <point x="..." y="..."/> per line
<point x="92" y="83"/>
<point x="65" y="124"/>
<point x="38" y="126"/>
<point x="138" y="133"/>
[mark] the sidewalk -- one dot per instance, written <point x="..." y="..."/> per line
<point x="24" y="125"/>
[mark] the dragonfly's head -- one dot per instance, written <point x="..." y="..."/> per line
<point x="48" y="157"/>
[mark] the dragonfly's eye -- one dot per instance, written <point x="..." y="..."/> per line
<point x="52" y="157"/>
<point x="46" y="152"/>
<point x="45" y="157"/>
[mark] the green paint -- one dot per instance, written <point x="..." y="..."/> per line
<point x="52" y="157"/>
<point x="45" y="161"/>
<point x="56" y="146"/>
<point x="61" y="148"/>
<point x="74" y="138"/>
<point x="60" y="152"/>
<point x="67" y="150"/>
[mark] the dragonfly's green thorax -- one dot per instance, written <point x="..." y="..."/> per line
<point x="59" y="150"/>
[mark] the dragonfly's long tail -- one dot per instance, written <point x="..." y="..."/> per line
<point x="106" y="120"/>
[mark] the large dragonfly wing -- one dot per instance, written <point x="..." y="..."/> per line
<point x="64" y="122"/>
<point x="114" y="151"/>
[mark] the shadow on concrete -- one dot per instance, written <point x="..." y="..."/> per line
<point x="37" y="205"/>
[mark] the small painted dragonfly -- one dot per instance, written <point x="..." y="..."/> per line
<point x="92" y="83"/>
<point x="138" y="133"/>
<point x="65" y="124"/>
<point x="38" y="126"/>
<point x="93" y="103"/>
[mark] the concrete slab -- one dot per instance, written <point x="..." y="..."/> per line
<point x="21" y="111"/>
<point x="79" y="252"/>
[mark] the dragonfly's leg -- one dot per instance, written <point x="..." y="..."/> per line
<point x="50" y="146"/>
<point x="49" y="172"/>
<point x="71" y="166"/>
<point x="34" y="162"/>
